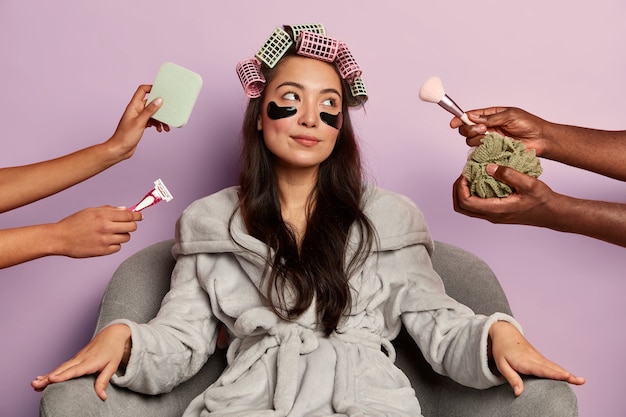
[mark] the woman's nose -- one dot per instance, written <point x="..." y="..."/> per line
<point x="308" y="116"/>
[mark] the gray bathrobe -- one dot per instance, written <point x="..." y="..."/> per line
<point x="280" y="368"/>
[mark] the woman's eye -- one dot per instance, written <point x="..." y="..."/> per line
<point x="329" y="102"/>
<point x="291" y="96"/>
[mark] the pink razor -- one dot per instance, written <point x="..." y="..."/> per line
<point x="158" y="193"/>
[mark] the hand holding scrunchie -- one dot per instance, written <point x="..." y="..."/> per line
<point x="501" y="150"/>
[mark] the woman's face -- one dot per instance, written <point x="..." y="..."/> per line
<point x="301" y="112"/>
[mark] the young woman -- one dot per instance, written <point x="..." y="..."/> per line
<point x="312" y="272"/>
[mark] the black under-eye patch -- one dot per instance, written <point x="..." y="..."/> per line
<point x="332" y="120"/>
<point x="275" y="112"/>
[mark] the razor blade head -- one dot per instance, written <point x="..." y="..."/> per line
<point x="159" y="185"/>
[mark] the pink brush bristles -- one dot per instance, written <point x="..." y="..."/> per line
<point x="433" y="92"/>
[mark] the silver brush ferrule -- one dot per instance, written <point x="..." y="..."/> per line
<point x="449" y="104"/>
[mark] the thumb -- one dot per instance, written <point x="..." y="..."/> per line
<point x="512" y="377"/>
<point x="102" y="381"/>
<point x="492" y="118"/>
<point x="150" y="109"/>
<point x="507" y="175"/>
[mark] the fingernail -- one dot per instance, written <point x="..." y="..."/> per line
<point x="158" y="101"/>
<point x="491" y="169"/>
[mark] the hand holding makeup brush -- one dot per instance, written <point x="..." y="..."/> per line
<point x="595" y="150"/>
<point x="507" y="121"/>
<point x="533" y="202"/>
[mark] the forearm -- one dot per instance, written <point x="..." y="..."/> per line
<point x="597" y="219"/>
<point x="23" y="185"/>
<point x="600" y="151"/>
<point x="25" y="243"/>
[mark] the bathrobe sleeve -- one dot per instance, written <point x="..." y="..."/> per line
<point x="173" y="346"/>
<point x="451" y="337"/>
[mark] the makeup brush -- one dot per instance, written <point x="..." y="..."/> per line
<point x="432" y="91"/>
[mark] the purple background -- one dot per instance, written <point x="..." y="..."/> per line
<point x="69" y="68"/>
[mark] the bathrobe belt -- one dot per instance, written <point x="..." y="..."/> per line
<point x="292" y="341"/>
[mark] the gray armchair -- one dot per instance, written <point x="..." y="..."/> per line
<point x="139" y="284"/>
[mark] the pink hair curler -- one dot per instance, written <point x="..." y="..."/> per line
<point x="251" y="77"/>
<point x="317" y="46"/>
<point x="158" y="193"/>
<point x="346" y="64"/>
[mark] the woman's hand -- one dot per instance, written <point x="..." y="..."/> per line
<point x="513" y="354"/>
<point x="104" y="354"/>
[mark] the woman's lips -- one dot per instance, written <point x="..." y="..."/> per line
<point x="306" y="140"/>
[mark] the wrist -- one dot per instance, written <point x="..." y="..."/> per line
<point x="558" y="213"/>
<point x="128" y="345"/>
<point x="123" y="335"/>
<point x="552" y="133"/>
<point x="495" y="327"/>
<point x="493" y="330"/>
<point x="111" y="152"/>
<point x="53" y="239"/>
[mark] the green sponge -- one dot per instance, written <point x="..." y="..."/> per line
<point x="501" y="150"/>
<point x="179" y="89"/>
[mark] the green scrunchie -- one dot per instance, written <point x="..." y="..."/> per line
<point x="501" y="150"/>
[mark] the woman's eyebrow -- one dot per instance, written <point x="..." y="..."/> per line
<point x="291" y="84"/>
<point x="331" y="90"/>
<point x="301" y="87"/>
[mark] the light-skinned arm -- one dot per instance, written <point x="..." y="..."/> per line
<point x="23" y="185"/>
<point x="90" y="232"/>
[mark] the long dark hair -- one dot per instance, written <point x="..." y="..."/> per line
<point x="321" y="266"/>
